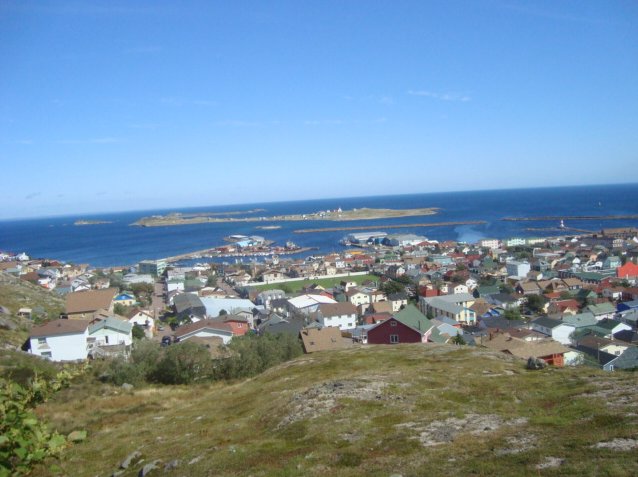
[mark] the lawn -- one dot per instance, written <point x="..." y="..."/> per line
<point x="297" y="285"/>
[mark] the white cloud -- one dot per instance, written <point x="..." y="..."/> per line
<point x="447" y="96"/>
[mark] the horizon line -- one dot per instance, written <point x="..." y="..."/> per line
<point x="171" y="209"/>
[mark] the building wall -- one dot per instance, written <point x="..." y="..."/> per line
<point x="107" y="336"/>
<point x="344" y="322"/>
<point x="63" y="347"/>
<point x="382" y="334"/>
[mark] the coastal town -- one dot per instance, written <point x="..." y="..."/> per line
<point x="570" y="300"/>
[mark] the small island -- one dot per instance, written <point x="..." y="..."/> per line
<point x="91" y="222"/>
<point x="329" y="215"/>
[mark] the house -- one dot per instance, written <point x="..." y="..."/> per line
<point x="188" y="305"/>
<point x="232" y="306"/>
<point x="456" y="307"/>
<point x="562" y="307"/>
<point x="60" y="340"/>
<point x="602" y="311"/>
<point x="412" y="317"/>
<point x="503" y="300"/>
<point x="528" y="288"/>
<point x="82" y="305"/>
<point x="109" y="332"/>
<point x="276" y="324"/>
<point x="322" y="339"/>
<point x="607" y="328"/>
<point x="548" y="350"/>
<point x="124" y="299"/>
<point x="267" y="296"/>
<point x="629" y="271"/>
<point x="545" y="325"/>
<point x="628" y="359"/>
<point x="381" y="307"/>
<point x="272" y="276"/>
<point x="239" y="324"/>
<point x="357" y="297"/>
<point x="398" y="301"/>
<point x="205" y="329"/>
<point x="610" y="346"/>
<point x="143" y="319"/>
<point x="341" y="315"/>
<point x="307" y="304"/>
<point x="604" y="360"/>
<point x="393" y="331"/>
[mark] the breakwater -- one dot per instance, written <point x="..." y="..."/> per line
<point x="571" y="217"/>
<point x="395" y="226"/>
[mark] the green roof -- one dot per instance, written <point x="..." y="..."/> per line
<point x="601" y="308"/>
<point x="412" y="317"/>
<point x="113" y="323"/>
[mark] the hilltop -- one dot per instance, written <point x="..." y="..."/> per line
<point x="379" y="410"/>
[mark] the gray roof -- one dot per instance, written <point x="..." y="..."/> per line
<point x="547" y="322"/>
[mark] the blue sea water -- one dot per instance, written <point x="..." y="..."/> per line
<point x="117" y="243"/>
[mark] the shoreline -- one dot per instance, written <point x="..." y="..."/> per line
<point x="336" y="216"/>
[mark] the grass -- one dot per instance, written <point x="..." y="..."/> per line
<point x="358" y="412"/>
<point x="16" y="294"/>
<point x="297" y="285"/>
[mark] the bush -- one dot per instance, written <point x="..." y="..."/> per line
<point x="253" y="354"/>
<point x="24" y="440"/>
<point x="184" y="363"/>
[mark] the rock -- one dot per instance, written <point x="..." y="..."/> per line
<point x="117" y="473"/>
<point x="195" y="460"/>
<point x="550" y="462"/>
<point x="534" y="363"/>
<point x="7" y="324"/>
<point x="148" y="468"/>
<point x="174" y="464"/>
<point x="77" y="436"/>
<point x="127" y="386"/>
<point x="132" y="457"/>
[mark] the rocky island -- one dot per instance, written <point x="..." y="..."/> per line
<point x="333" y="215"/>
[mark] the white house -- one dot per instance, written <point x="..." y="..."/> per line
<point x="110" y="331"/>
<point x="60" y="340"/>
<point x="143" y="319"/>
<point x="343" y="315"/>
<point x="205" y="329"/>
<point x="309" y="303"/>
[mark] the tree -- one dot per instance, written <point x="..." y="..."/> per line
<point x="459" y="340"/>
<point x="184" y="363"/>
<point x="119" y="309"/>
<point x="391" y="287"/>
<point x="535" y="303"/>
<point x="512" y="314"/>
<point x="138" y="332"/>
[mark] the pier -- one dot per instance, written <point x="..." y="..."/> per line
<point x="395" y="226"/>
<point x="571" y="217"/>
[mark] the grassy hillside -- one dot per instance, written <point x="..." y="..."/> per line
<point x="408" y="410"/>
<point x="16" y="294"/>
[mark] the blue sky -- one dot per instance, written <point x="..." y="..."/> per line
<point x="108" y="106"/>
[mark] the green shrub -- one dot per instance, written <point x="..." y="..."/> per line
<point x="184" y="363"/>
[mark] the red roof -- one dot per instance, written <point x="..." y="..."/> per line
<point x="628" y="270"/>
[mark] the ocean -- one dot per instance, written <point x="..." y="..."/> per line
<point x="117" y="243"/>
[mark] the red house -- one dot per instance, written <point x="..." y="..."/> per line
<point x="629" y="271"/>
<point x="392" y="331"/>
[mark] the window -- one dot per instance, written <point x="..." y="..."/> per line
<point x="394" y="338"/>
<point x="393" y="323"/>
<point x="42" y="341"/>
<point x="46" y="354"/>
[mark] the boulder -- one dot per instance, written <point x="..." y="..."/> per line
<point x="534" y="363"/>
